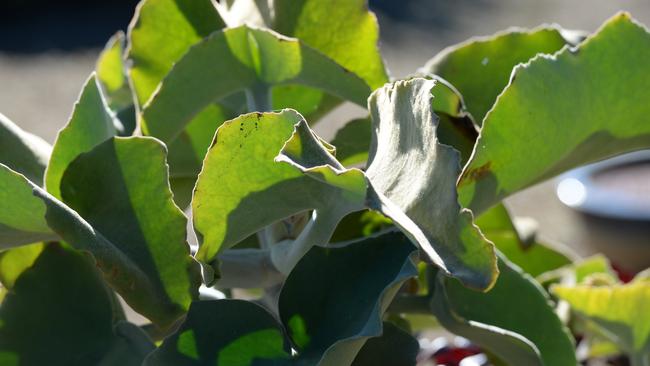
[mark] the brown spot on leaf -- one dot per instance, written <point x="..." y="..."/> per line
<point x="475" y="174"/>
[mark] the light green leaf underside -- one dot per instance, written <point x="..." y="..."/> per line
<point x="413" y="179"/>
<point x="239" y="59"/>
<point x="334" y="298"/>
<point x="121" y="189"/>
<point x="578" y="118"/>
<point x="76" y="326"/>
<point x="621" y="311"/>
<point x="22" y="217"/>
<point x="90" y="124"/>
<point x="240" y="175"/>
<point x="23" y="152"/>
<point x="161" y="33"/>
<point x="519" y="305"/>
<point x="480" y="68"/>
<point x="223" y="332"/>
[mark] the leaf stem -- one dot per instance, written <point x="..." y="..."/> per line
<point x="258" y="98"/>
<point x="318" y="231"/>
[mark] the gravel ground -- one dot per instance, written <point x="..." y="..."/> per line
<point x="39" y="89"/>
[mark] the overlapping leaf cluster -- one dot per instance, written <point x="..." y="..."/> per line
<point x="205" y="109"/>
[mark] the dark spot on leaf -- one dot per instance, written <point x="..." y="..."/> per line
<point x="475" y="174"/>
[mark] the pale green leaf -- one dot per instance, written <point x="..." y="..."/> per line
<point x="91" y="123"/>
<point x="578" y="118"/>
<point x="226" y="200"/>
<point x="480" y="67"/>
<point x="23" y="152"/>
<point x="413" y="178"/>
<point x="111" y="73"/>
<point x="161" y="33"/>
<point x="22" y="216"/>
<point x="239" y="59"/>
<point x="620" y="311"/>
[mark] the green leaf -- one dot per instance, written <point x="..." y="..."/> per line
<point x="514" y="150"/>
<point x="91" y="123"/>
<point x="161" y="32"/>
<point x="352" y="142"/>
<point x="334" y="298"/>
<point x="223" y="332"/>
<point x="393" y="347"/>
<point x="111" y="73"/>
<point x="480" y="68"/>
<point x="226" y="200"/>
<point x="519" y="305"/>
<point x="532" y="256"/>
<point x="513" y="348"/>
<point x="413" y="179"/>
<point x="23" y="152"/>
<point x="76" y="326"/>
<point x="620" y="311"/>
<point x="121" y="189"/>
<point x="239" y="59"/>
<point x="14" y="262"/>
<point x="344" y="30"/>
<point x="22" y="216"/>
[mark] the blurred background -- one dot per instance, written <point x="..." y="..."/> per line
<point x="48" y="49"/>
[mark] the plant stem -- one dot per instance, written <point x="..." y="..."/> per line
<point x="248" y="268"/>
<point x="258" y="98"/>
<point x="318" y="231"/>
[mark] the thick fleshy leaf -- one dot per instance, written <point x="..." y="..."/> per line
<point x="519" y="305"/>
<point x="223" y="332"/>
<point x="240" y="59"/>
<point x="620" y="311"/>
<point x="23" y="152"/>
<point x="511" y="347"/>
<point x="91" y="123"/>
<point x="393" y="347"/>
<point x="22" y="216"/>
<point x="334" y="298"/>
<point x="121" y="189"/>
<point x="161" y="33"/>
<point x="517" y="148"/>
<point x="14" y="262"/>
<point x="76" y="325"/>
<point x="226" y="201"/>
<point x="480" y="67"/>
<point x="413" y="179"/>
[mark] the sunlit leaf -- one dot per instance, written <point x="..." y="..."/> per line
<point x="91" y="123"/>
<point x="240" y="59"/>
<point x="413" y="179"/>
<point x="545" y="121"/>
<point x="23" y="152"/>
<point x="14" y="262"/>
<point x="480" y="67"/>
